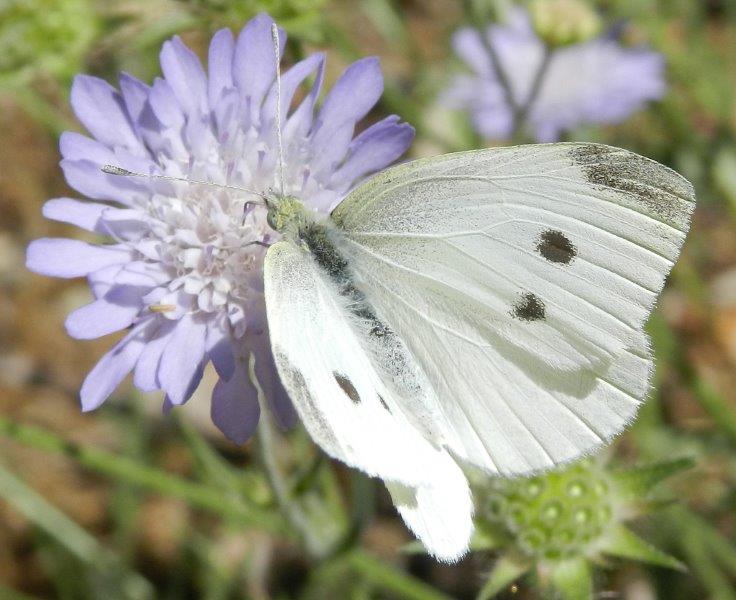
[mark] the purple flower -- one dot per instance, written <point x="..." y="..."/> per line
<point x="599" y="81"/>
<point x="182" y="273"/>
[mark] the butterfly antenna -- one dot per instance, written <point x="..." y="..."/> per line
<point x="114" y="170"/>
<point x="279" y="141"/>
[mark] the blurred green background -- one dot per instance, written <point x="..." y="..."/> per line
<point x="124" y="503"/>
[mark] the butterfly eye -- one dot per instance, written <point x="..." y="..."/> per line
<point x="347" y="387"/>
<point x="556" y="247"/>
<point x="529" y="307"/>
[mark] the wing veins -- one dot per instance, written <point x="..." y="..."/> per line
<point x="560" y="308"/>
<point x="447" y="286"/>
<point x="484" y="349"/>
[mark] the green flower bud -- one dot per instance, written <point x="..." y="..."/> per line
<point x="562" y="523"/>
<point x="564" y="22"/>
<point x="534" y="511"/>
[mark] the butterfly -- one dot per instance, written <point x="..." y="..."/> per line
<point x="482" y="308"/>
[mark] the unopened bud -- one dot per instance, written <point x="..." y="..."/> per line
<point x="564" y="22"/>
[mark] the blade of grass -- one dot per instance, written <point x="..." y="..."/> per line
<point x="126" y="500"/>
<point x="213" y="466"/>
<point x="73" y="538"/>
<point x="150" y="478"/>
<point x="390" y="579"/>
<point x="8" y="594"/>
<point x="716" y="406"/>
<point x="723" y="550"/>
<point x="702" y="564"/>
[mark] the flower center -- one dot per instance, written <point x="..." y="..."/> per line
<point x="211" y="240"/>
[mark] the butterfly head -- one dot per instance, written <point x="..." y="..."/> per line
<point x="286" y="214"/>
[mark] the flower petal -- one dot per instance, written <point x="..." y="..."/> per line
<point x="82" y="166"/>
<point x="135" y="95"/>
<point x="145" y="377"/>
<point x="112" y="368"/>
<point x="235" y="409"/>
<point x="182" y="358"/>
<point x="374" y="149"/>
<point x="165" y="104"/>
<point x="353" y="95"/>
<point x="99" y="318"/>
<point x="220" y="351"/>
<point x="290" y="81"/>
<point x="76" y="212"/>
<point x="269" y="381"/>
<point x="135" y="273"/>
<point x="60" y="257"/>
<point x="116" y="311"/>
<point x="185" y="76"/>
<point x="101" y="110"/>
<point x="254" y="63"/>
<point x="299" y="123"/>
<point x="220" y="65"/>
<point x="469" y="46"/>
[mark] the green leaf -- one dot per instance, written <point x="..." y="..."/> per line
<point x="638" y="481"/>
<point x="624" y="543"/>
<point x="506" y="570"/>
<point x="390" y="579"/>
<point x="573" y="579"/>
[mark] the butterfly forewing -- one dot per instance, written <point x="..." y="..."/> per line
<point x="520" y="280"/>
<point x="353" y="402"/>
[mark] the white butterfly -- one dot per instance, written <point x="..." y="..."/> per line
<point x="483" y="308"/>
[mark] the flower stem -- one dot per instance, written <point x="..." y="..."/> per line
<point x="291" y="509"/>
<point x="131" y="471"/>
<point x="522" y="112"/>
<point x="519" y="111"/>
<point x="500" y="71"/>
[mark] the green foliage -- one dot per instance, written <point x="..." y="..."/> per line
<point x="39" y="37"/>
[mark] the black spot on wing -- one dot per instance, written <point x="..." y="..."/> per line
<point x="556" y="247"/>
<point x="529" y="307"/>
<point x="383" y="403"/>
<point x="347" y="387"/>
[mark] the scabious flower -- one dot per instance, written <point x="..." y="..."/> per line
<point x="598" y="81"/>
<point x="559" y="525"/>
<point x="183" y="272"/>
